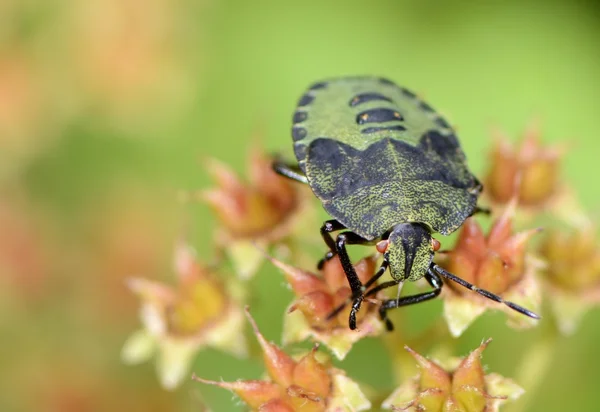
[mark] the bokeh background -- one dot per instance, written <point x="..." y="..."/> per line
<point x="108" y="108"/>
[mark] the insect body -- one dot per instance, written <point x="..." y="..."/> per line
<point x="391" y="172"/>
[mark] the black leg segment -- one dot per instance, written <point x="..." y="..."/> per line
<point x="342" y="240"/>
<point x="481" y="210"/>
<point x="357" y="300"/>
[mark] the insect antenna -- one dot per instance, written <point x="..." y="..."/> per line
<point x="444" y="273"/>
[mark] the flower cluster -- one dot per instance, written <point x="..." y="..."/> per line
<point x="306" y="384"/>
<point x="178" y="322"/>
<point x="497" y="262"/>
<point x="568" y="254"/>
<point x="204" y="309"/>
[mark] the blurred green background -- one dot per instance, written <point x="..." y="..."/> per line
<point x="107" y="108"/>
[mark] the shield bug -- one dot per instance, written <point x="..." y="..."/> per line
<point x="390" y="171"/>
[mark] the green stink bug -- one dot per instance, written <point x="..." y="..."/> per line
<point x="391" y="172"/>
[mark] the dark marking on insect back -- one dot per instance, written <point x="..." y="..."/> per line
<point x="299" y="117"/>
<point x="426" y="107"/>
<point x="397" y="128"/>
<point x="440" y="121"/>
<point x="368" y="97"/>
<point x="298" y="133"/>
<point x="378" y="116"/>
<point x="443" y="145"/>
<point x="385" y="81"/>
<point x="354" y="169"/>
<point x="408" y="93"/>
<point x="300" y="151"/>
<point x="318" y="86"/>
<point x="328" y="152"/>
<point x="305" y="100"/>
<point x="428" y="169"/>
<point x="447" y="149"/>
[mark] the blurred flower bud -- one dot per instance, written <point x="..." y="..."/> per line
<point x="26" y="256"/>
<point x="263" y="211"/>
<point x="498" y="263"/>
<point x="307" y="384"/>
<point x="529" y="172"/>
<point x="452" y="386"/>
<point x="573" y="273"/>
<point x="317" y="296"/>
<point x="124" y="61"/>
<point x="178" y="322"/>
<point x="28" y="116"/>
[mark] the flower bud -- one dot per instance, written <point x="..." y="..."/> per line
<point x="262" y="211"/>
<point x="457" y="385"/>
<point x="572" y="273"/>
<point x="529" y="172"/>
<point x="178" y="322"/>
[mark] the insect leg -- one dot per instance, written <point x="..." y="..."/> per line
<point x="377" y="275"/>
<point x="483" y="210"/>
<point x="442" y="272"/>
<point x="328" y="227"/>
<point x="290" y="171"/>
<point x="343" y="239"/>
<point x="357" y="300"/>
<point x="432" y="278"/>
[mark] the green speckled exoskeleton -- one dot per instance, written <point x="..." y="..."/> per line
<point x="391" y="172"/>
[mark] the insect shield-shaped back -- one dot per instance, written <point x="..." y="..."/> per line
<point x="409" y="251"/>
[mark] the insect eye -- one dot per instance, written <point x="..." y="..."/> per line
<point x="435" y="244"/>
